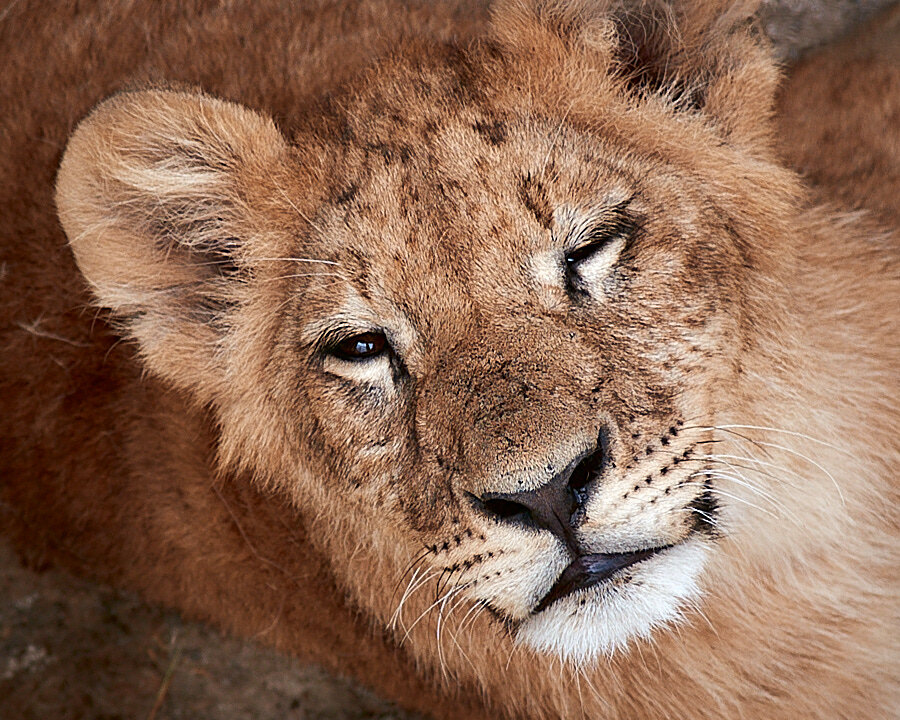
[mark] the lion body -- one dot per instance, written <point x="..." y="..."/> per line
<point x="284" y="494"/>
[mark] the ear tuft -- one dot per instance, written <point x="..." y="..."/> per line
<point x="155" y="195"/>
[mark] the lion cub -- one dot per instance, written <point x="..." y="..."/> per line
<point x="495" y="358"/>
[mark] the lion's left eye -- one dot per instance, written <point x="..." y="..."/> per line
<point x="590" y="262"/>
<point x="612" y="231"/>
<point x="586" y="249"/>
<point x="361" y="347"/>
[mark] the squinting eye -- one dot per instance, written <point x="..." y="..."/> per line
<point x="586" y="250"/>
<point x="615" y="226"/>
<point x="594" y="244"/>
<point x="361" y="347"/>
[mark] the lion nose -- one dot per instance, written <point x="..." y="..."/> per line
<point x="550" y="507"/>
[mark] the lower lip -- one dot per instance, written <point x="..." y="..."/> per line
<point x="590" y="570"/>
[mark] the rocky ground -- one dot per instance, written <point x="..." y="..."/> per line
<point x="73" y="650"/>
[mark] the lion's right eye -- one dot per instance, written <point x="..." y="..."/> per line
<point x="361" y="347"/>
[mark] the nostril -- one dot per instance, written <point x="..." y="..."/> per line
<point x="506" y="509"/>
<point x="584" y="474"/>
<point x="580" y="478"/>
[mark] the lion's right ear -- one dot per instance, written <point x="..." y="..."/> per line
<point x="156" y="193"/>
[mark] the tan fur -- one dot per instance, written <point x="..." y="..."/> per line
<point x="415" y="169"/>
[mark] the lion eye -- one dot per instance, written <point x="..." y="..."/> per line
<point x="361" y="347"/>
<point x="614" y="227"/>
<point x="595" y="244"/>
<point x="581" y="271"/>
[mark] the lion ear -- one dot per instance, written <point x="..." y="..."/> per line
<point x="701" y="55"/>
<point x="695" y="55"/>
<point x="155" y="193"/>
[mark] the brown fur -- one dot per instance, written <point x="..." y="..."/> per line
<point x="222" y="461"/>
<point x="850" y="151"/>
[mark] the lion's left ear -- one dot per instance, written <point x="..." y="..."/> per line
<point x="695" y="55"/>
<point x="162" y="196"/>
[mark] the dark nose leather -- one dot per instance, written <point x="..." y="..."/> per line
<point x="552" y="506"/>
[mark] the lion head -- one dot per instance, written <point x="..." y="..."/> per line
<point x="479" y="317"/>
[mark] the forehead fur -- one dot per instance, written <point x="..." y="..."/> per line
<point x="589" y="62"/>
<point x="462" y="139"/>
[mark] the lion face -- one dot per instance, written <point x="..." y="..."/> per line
<point x="517" y="360"/>
<point x="480" y="340"/>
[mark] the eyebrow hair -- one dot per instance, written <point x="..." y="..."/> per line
<point x="533" y="195"/>
<point x="597" y="225"/>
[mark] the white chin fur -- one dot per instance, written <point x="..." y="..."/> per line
<point x="615" y="613"/>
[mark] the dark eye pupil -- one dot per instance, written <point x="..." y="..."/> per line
<point x="359" y="347"/>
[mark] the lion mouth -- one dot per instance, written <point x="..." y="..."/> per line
<point x="589" y="570"/>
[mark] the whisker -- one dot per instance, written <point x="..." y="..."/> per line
<point x="454" y="635"/>
<point x="696" y="608"/>
<point x="597" y="696"/>
<point x="578" y="676"/>
<point x="713" y="474"/>
<point x="422" y="554"/>
<point x="746" y="438"/>
<point x="715" y="458"/>
<point x="811" y="462"/>
<point x="764" y="444"/>
<point x="411" y="588"/>
<point x="713" y="521"/>
<point x="744" y="480"/>
<point x="440" y="647"/>
<point x="296" y="209"/>
<point x="441" y="625"/>
<point x="419" y="619"/>
<point x="294" y="259"/>
<point x="478" y="607"/>
<point x="721" y="492"/>
<point x="787" y="432"/>
<point x="398" y="611"/>
<point x="299" y="275"/>
<point x="509" y="656"/>
<point x="461" y="599"/>
<point x="451" y="572"/>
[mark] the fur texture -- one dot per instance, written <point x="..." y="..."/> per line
<point x="385" y="270"/>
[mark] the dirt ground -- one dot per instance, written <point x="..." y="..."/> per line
<point x="73" y="650"/>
